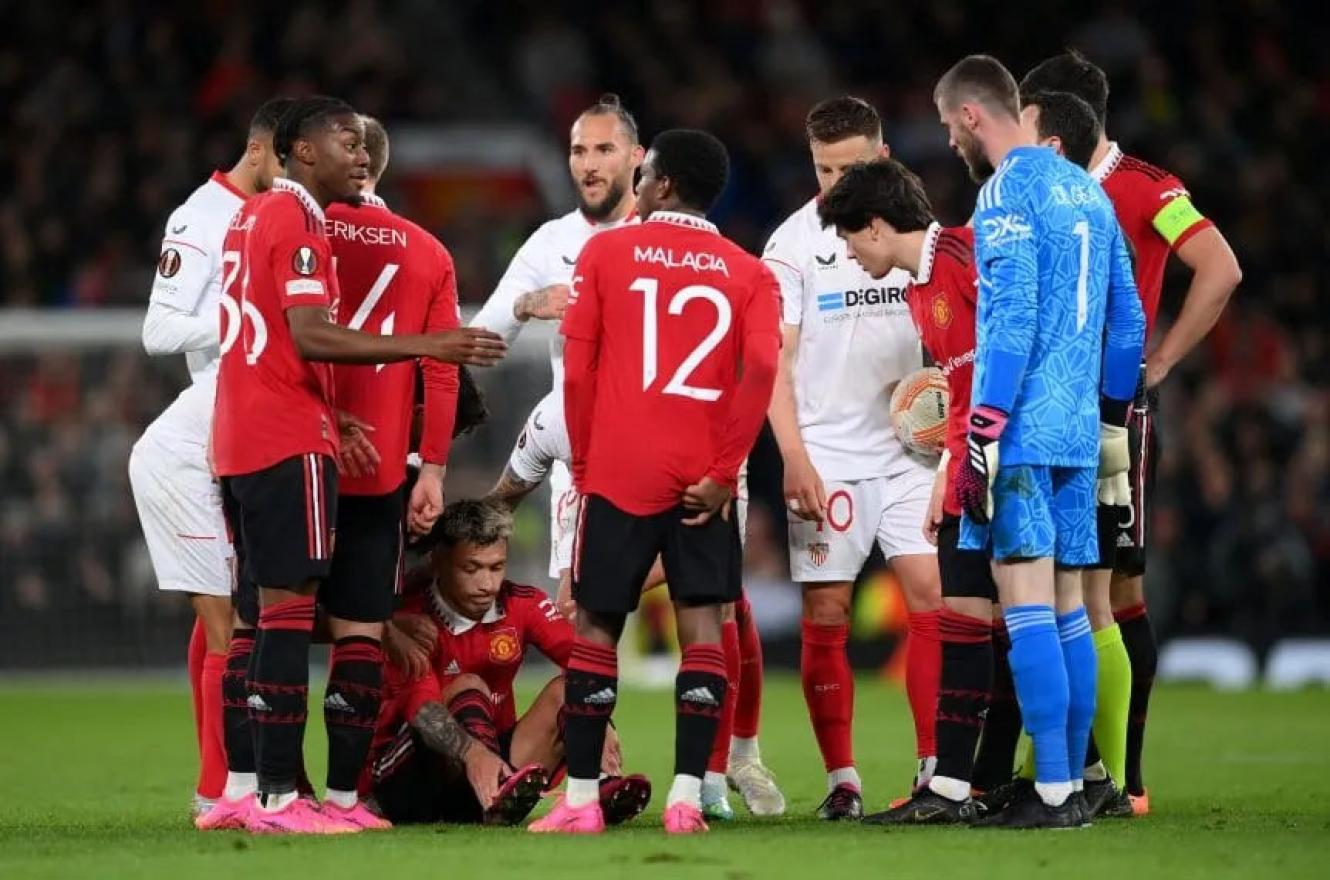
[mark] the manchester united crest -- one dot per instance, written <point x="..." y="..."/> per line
<point x="169" y="263"/>
<point x="504" y="646"/>
<point x="817" y="553"/>
<point x="941" y="311"/>
<point x="305" y="261"/>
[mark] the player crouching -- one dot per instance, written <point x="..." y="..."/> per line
<point x="448" y="737"/>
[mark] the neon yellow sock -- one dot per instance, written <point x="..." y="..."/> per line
<point x="1113" y="702"/>
<point x="1027" y="766"/>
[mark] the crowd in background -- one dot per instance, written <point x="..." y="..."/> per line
<point x="116" y="112"/>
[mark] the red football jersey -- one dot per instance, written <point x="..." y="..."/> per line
<point x="942" y="302"/>
<point x="395" y="278"/>
<point x="272" y="404"/>
<point x="1155" y="212"/>
<point x="662" y="315"/>
<point x="492" y="648"/>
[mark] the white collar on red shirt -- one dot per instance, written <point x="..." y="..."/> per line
<point x="285" y="184"/>
<point x="1106" y="165"/>
<point x="457" y="622"/>
<point x="927" y="252"/>
<point x="372" y="199"/>
<point x="678" y="218"/>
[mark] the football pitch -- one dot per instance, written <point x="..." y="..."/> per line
<point x="96" y="778"/>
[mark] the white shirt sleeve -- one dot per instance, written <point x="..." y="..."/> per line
<point x="543" y="441"/>
<point x="185" y="267"/>
<point x="523" y="276"/>
<point x="785" y="263"/>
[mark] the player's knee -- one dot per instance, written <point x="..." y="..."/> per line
<point x="827" y="606"/>
<point x="553" y="690"/>
<point x="467" y="681"/>
<point x="1126" y="591"/>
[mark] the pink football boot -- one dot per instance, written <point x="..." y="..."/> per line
<point x="360" y="816"/>
<point x="301" y="816"/>
<point x="684" y="818"/>
<point x="227" y="815"/>
<point x="564" y="819"/>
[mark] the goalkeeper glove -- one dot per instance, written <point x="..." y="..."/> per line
<point x="974" y="484"/>
<point x="1114" y="487"/>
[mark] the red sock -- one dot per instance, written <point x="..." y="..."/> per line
<point x="749" y="707"/>
<point x="829" y="691"/>
<point x="923" y="677"/>
<point x="198" y="649"/>
<point x="720" y="749"/>
<point x="212" y="773"/>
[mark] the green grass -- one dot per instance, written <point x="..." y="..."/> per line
<point x="95" y="780"/>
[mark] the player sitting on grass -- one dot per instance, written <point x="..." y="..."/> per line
<point x="449" y="735"/>
<point x="735" y="757"/>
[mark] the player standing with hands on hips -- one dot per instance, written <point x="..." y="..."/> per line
<point x="672" y="338"/>
<point x="1059" y="333"/>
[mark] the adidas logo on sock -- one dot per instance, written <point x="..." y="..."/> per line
<point x="600" y="697"/>
<point x="256" y="703"/>
<point x="700" y="695"/>
<point x="453" y="668"/>
<point x="337" y="703"/>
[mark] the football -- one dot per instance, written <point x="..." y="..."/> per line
<point x="919" y="411"/>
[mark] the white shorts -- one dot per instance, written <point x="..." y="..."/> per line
<point x="890" y="509"/>
<point x="180" y="508"/>
<point x="564" y="504"/>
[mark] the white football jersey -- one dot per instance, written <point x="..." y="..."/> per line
<point x="856" y="340"/>
<point x="543" y="441"/>
<point x="546" y="258"/>
<point x="183" y="309"/>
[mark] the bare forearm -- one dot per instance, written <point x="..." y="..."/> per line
<point x="510" y="489"/>
<point x="326" y="341"/>
<point x="784" y="414"/>
<point x="1204" y="304"/>
<point x="441" y="732"/>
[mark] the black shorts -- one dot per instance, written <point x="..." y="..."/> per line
<point x="412" y="784"/>
<point x="965" y="573"/>
<point x="613" y="552"/>
<point x="1143" y="435"/>
<point x="281" y="517"/>
<point x="365" y="577"/>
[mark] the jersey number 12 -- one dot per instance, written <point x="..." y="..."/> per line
<point x="678" y="384"/>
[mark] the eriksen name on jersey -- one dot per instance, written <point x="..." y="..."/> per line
<point x="698" y="262"/>
<point x="364" y="234"/>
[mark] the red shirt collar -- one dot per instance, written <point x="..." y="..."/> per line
<point x="220" y="178"/>
<point x="680" y="219"/>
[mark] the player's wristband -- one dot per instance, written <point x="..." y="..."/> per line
<point x="1113" y="412"/>
<point x="987" y="422"/>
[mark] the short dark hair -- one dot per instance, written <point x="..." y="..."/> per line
<point x="1071" y="72"/>
<point x="302" y="117"/>
<point x="609" y="104"/>
<point x="883" y="188"/>
<point x="1068" y="118"/>
<point x="472" y="410"/>
<point x="265" y="118"/>
<point x="837" y="119"/>
<point x="981" y="79"/>
<point x="376" y="144"/>
<point x="695" y="162"/>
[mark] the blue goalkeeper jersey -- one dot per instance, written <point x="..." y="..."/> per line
<point x="1059" y="319"/>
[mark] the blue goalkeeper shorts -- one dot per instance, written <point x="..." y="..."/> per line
<point x="1040" y="511"/>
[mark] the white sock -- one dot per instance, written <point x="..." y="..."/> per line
<point x="927" y="767"/>
<point x="240" y="785"/>
<point x="686" y="789"/>
<point x="1054" y="794"/>
<point x="581" y="792"/>
<point x="714" y="787"/>
<point x="744" y="748"/>
<point x="1078" y="785"/>
<point x="344" y="799"/>
<point x="278" y="802"/>
<point x="844" y="776"/>
<point x="1096" y="772"/>
<point x="949" y="788"/>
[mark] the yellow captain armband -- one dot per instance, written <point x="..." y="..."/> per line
<point x="1175" y="218"/>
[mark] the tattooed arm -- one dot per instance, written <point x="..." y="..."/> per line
<point x="442" y="733"/>
<point x="511" y="489"/>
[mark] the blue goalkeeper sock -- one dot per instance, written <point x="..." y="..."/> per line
<point x="1082" y="672"/>
<point x="1040" y="676"/>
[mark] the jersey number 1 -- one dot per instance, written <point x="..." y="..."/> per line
<point x="678" y="384"/>
<point x="1082" y="231"/>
